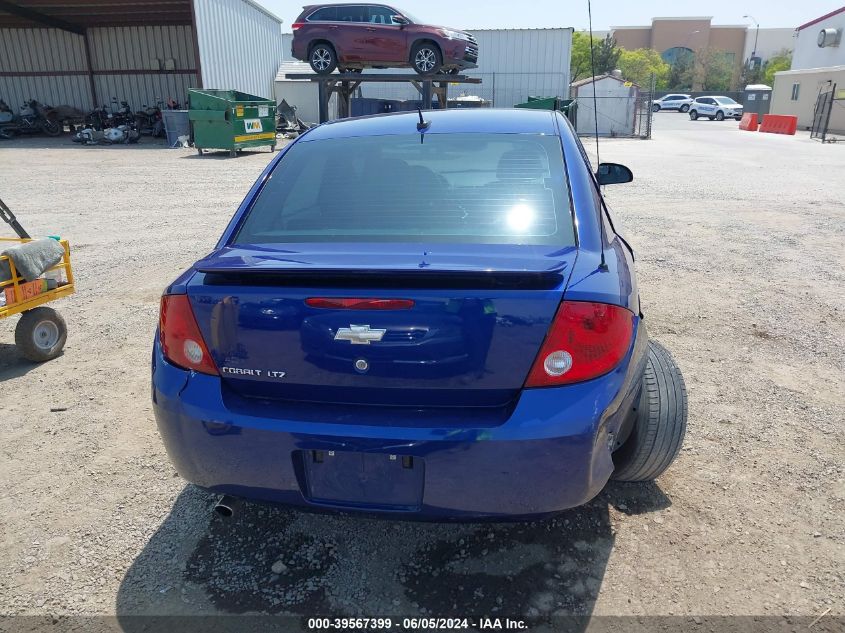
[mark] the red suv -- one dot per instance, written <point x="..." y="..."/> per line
<point x="352" y="37"/>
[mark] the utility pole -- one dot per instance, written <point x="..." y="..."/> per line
<point x="754" y="61"/>
<point x="756" y="34"/>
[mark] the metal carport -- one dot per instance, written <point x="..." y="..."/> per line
<point x="84" y="52"/>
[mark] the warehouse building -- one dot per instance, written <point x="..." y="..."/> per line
<point x="85" y="52"/>
<point x="513" y="64"/>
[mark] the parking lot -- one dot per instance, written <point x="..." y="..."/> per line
<point x="740" y="262"/>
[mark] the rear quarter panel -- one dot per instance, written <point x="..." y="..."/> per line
<point x="617" y="285"/>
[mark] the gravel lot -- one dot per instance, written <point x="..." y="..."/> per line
<point x="739" y="239"/>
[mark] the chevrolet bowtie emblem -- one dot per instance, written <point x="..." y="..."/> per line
<point x="359" y="334"/>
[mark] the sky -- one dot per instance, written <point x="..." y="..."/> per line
<point x="486" y="14"/>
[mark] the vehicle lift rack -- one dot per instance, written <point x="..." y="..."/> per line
<point x="345" y="84"/>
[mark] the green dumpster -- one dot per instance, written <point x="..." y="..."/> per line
<point x="567" y="106"/>
<point x="540" y="103"/>
<point x="232" y="120"/>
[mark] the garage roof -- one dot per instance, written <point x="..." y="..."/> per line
<point x="76" y="15"/>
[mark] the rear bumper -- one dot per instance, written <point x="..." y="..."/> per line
<point x="551" y="453"/>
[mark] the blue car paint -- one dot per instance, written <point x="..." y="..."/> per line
<point x="550" y="454"/>
<point x="522" y="453"/>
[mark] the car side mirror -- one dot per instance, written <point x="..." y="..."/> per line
<point x="613" y="174"/>
<point x="401" y="20"/>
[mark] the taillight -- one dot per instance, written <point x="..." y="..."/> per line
<point x="585" y="340"/>
<point x="359" y="303"/>
<point x="179" y="334"/>
<point x="297" y="25"/>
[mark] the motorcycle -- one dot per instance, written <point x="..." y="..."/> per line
<point x="102" y="118"/>
<point x="125" y="134"/>
<point x="122" y="114"/>
<point x="7" y="117"/>
<point x="97" y="119"/>
<point x="32" y="119"/>
<point x="148" y="120"/>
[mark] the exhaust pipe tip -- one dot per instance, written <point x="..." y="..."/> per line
<point x="225" y="506"/>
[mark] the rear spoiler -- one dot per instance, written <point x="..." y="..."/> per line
<point x="398" y="279"/>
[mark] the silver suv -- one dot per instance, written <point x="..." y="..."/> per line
<point x="717" y="108"/>
<point x="677" y="102"/>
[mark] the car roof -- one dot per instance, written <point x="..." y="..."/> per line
<point x="345" y="4"/>
<point x="467" y="121"/>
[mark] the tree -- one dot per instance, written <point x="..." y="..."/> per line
<point x="752" y="72"/>
<point x="640" y="64"/>
<point x="605" y="51"/>
<point x="607" y="55"/>
<point x="777" y="62"/>
<point x="579" y="67"/>
<point x="714" y="71"/>
<point x="681" y="73"/>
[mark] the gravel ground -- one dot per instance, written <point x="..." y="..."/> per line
<point x="739" y="239"/>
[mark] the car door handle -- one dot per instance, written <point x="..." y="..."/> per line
<point x="370" y="28"/>
<point x="333" y="26"/>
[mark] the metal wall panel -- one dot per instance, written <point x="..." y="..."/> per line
<point x="59" y="90"/>
<point x="240" y="46"/>
<point x="512" y="64"/>
<point x="141" y="90"/>
<point x="516" y="63"/>
<point x="127" y="49"/>
<point x="39" y="51"/>
<point x="139" y="48"/>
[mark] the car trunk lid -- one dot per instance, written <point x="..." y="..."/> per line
<point x="469" y="325"/>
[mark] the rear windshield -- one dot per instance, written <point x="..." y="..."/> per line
<point x="483" y="188"/>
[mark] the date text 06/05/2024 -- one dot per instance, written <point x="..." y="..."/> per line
<point x="415" y="624"/>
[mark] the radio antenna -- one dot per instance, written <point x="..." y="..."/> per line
<point x="603" y="263"/>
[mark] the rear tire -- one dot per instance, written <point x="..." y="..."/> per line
<point x="51" y="128"/>
<point x="693" y="115"/>
<point x="685" y="108"/>
<point x="322" y="58"/>
<point x="661" y="422"/>
<point x="720" y="116"/>
<point x="40" y="334"/>
<point x="655" y="108"/>
<point x="426" y="58"/>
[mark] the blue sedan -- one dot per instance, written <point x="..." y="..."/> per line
<point x="431" y="319"/>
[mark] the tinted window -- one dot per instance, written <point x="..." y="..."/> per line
<point x="381" y="15"/>
<point x="326" y="14"/>
<point x="485" y="188"/>
<point x="352" y="13"/>
<point x="726" y="101"/>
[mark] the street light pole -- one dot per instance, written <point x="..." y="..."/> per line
<point x="756" y="34"/>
